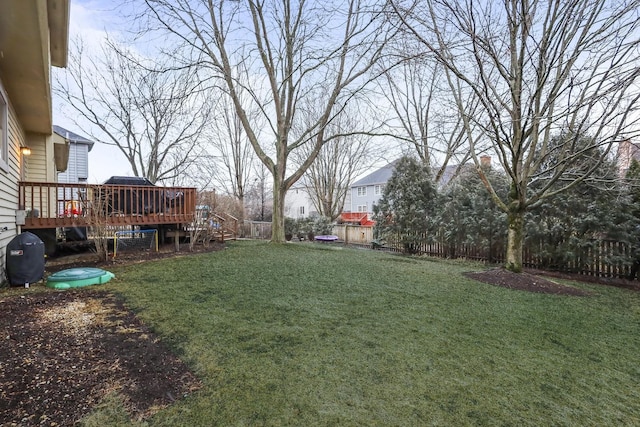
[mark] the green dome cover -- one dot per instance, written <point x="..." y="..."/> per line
<point x="78" y="277"/>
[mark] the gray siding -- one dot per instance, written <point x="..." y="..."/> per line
<point x="78" y="166"/>
<point x="364" y="202"/>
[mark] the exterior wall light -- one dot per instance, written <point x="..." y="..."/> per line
<point x="26" y="151"/>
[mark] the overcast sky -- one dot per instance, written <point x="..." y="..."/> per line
<point x="89" y="19"/>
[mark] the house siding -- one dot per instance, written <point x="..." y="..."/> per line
<point x="378" y="180"/>
<point x="78" y="166"/>
<point x="9" y="185"/>
<point x="35" y="165"/>
<point x="40" y="167"/>
<point x="25" y="82"/>
<point x="77" y="172"/>
<point x="364" y="203"/>
<point x="298" y="204"/>
<point x="359" y="202"/>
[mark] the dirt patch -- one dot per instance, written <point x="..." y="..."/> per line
<point x="62" y="352"/>
<point x="524" y="282"/>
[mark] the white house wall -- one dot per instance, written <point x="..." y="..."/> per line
<point x="298" y="204"/>
<point x="347" y="201"/>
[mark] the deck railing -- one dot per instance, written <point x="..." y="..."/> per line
<point x="228" y="226"/>
<point x="50" y="205"/>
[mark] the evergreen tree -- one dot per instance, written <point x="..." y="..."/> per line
<point x="406" y="212"/>
<point x="632" y="183"/>
<point x="632" y="179"/>
<point x="563" y="227"/>
<point x="468" y="216"/>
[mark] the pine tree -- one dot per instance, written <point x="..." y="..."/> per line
<point x="563" y="228"/>
<point x="468" y="216"/>
<point x="632" y="186"/>
<point x="406" y="212"/>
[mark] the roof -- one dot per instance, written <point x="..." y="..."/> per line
<point x="128" y="180"/>
<point x="33" y="37"/>
<point x="72" y="137"/>
<point x="380" y="176"/>
<point x="451" y="171"/>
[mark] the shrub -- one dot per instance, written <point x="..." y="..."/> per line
<point x="290" y="228"/>
<point x="408" y="205"/>
<point x="310" y="227"/>
<point x="322" y="226"/>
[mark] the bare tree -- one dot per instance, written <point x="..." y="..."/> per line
<point x="537" y="69"/>
<point x="427" y="120"/>
<point x="339" y="161"/>
<point x="291" y="51"/>
<point x="234" y="152"/>
<point x="152" y="112"/>
<point x="258" y="205"/>
<point x="231" y="154"/>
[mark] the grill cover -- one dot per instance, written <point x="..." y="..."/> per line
<point x="25" y="259"/>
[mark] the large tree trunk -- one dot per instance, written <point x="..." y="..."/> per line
<point x="515" y="239"/>
<point x="241" y="209"/>
<point x="277" y="222"/>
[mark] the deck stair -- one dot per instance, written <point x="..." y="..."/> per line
<point x="218" y="227"/>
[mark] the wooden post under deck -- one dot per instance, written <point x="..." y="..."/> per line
<point x="176" y="234"/>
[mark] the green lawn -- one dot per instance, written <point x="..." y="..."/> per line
<point x="311" y="334"/>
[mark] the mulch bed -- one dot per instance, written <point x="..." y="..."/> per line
<point x="62" y="352"/>
<point x="524" y="282"/>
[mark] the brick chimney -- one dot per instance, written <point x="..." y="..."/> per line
<point x="485" y="161"/>
<point x="624" y="156"/>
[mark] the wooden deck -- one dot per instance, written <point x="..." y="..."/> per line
<point x="51" y="205"/>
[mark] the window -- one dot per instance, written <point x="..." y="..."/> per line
<point x="377" y="190"/>
<point x="362" y="208"/>
<point x="4" y="130"/>
<point x="362" y="191"/>
<point x="301" y="210"/>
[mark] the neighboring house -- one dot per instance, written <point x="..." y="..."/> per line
<point x="366" y="192"/>
<point x="298" y="203"/>
<point x="33" y="38"/>
<point x="77" y="171"/>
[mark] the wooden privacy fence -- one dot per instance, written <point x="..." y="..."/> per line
<point x="596" y="257"/>
<point x="353" y="234"/>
